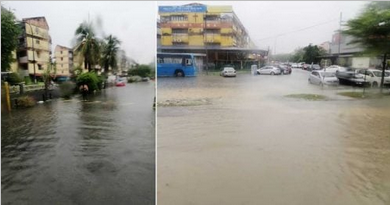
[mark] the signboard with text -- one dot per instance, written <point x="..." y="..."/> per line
<point x="182" y="9"/>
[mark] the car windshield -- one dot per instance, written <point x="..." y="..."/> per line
<point x="229" y="69"/>
<point x="379" y="74"/>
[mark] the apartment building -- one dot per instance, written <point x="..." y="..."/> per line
<point x="34" y="51"/>
<point x="194" y="25"/>
<point x="64" y="60"/>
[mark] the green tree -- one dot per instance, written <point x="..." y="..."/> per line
<point x="90" y="79"/>
<point x="298" y="55"/>
<point x="9" y="38"/>
<point x="371" y="30"/>
<point x="48" y="75"/>
<point x="88" y="46"/>
<point x="110" y="53"/>
<point x="141" y="70"/>
<point x="311" y="54"/>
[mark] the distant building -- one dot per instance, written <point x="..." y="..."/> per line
<point x="34" y="51"/>
<point x="215" y="31"/>
<point x="343" y="53"/>
<point x="199" y="25"/>
<point x="325" y="46"/>
<point x="158" y="33"/>
<point x="64" y="60"/>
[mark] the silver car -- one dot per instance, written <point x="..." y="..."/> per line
<point x="269" y="70"/>
<point x="323" y="78"/>
<point x="228" y="72"/>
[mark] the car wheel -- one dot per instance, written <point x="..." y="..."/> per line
<point x="272" y="73"/>
<point x="374" y="85"/>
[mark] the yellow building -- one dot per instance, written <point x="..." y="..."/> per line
<point x="64" y="60"/>
<point x="195" y="25"/>
<point x="34" y="50"/>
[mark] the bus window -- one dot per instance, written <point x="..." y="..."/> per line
<point x="188" y="62"/>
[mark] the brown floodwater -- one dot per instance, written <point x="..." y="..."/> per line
<point x="251" y="145"/>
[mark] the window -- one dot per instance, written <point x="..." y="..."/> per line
<point x="172" y="60"/>
<point x="37" y="41"/>
<point x="61" y="52"/>
<point x="38" y="54"/>
<point x="62" y="58"/>
<point x="188" y="62"/>
<point x="40" y="67"/>
<point x="179" y="18"/>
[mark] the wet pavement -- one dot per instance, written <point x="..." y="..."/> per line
<point x="252" y="145"/>
<point x="72" y="152"/>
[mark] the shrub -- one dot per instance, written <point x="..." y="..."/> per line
<point x="142" y="70"/>
<point x="67" y="89"/>
<point x="25" y="101"/>
<point x="134" y="79"/>
<point x="14" y="79"/>
<point x="27" y="80"/>
<point x="90" y="79"/>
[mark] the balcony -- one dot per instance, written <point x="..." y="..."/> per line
<point x="212" y="38"/>
<point x="180" y="38"/>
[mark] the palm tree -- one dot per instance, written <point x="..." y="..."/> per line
<point x="110" y="53"/>
<point x="88" y="46"/>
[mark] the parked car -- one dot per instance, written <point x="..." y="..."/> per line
<point x="323" y="78"/>
<point x="120" y="82"/>
<point x="335" y="68"/>
<point x="374" y="77"/>
<point x="348" y="76"/>
<point x="270" y="70"/>
<point x="284" y="69"/>
<point x="294" y="65"/>
<point x="314" y="67"/>
<point x="228" y="72"/>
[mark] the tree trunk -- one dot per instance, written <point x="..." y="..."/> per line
<point x="383" y="71"/>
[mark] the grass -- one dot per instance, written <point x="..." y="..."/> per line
<point x="360" y="95"/>
<point x="311" y="97"/>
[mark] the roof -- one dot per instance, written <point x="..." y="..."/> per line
<point x="63" y="47"/>
<point x="39" y="21"/>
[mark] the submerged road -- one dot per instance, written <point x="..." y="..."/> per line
<point x="252" y="145"/>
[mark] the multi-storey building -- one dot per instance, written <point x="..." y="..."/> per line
<point x="201" y="25"/>
<point x="64" y="60"/>
<point x="214" y="31"/>
<point x="34" y="51"/>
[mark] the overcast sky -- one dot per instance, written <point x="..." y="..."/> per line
<point x="134" y="23"/>
<point x="269" y="19"/>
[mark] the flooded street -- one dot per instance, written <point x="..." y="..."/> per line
<point x="251" y="145"/>
<point x="72" y="152"/>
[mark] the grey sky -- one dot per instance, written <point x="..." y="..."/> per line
<point x="134" y="23"/>
<point x="268" y="19"/>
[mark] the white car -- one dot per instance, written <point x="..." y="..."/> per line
<point x="323" y="78"/>
<point x="374" y="76"/>
<point x="270" y="70"/>
<point x="334" y="68"/>
<point x="228" y="72"/>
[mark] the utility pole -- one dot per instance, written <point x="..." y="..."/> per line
<point x="338" y="56"/>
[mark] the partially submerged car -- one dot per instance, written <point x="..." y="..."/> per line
<point x="323" y="78"/>
<point x="348" y="76"/>
<point x="228" y="72"/>
<point x="270" y="70"/>
<point x="374" y="77"/>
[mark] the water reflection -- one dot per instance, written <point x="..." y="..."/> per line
<point x="72" y="152"/>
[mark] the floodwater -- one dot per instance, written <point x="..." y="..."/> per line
<point x="72" y="152"/>
<point x="251" y="145"/>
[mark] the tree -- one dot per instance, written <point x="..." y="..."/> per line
<point x="110" y="53"/>
<point x="48" y="75"/>
<point x="311" y="54"/>
<point x="10" y="32"/>
<point x="88" y="46"/>
<point x="298" y="55"/>
<point x="142" y="71"/>
<point x="371" y="30"/>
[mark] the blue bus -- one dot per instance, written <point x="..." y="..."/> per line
<point x="176" y="64"/>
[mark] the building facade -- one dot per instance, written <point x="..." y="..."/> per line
<point x="34" y="51"/>
<point x="198" y="25"/>
<point x="64" y="60"/>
